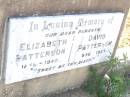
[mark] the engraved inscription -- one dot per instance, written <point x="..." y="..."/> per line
<point x="43" y="45"/>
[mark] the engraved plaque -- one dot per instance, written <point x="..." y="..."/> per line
<point x="42" y="45"/>
<point x="124" y="43"/>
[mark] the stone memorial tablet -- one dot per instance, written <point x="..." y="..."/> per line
<point x="41" y="45"/>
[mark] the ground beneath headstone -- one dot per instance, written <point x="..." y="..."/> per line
<point x="75" y="93"/>
<point x="71" y="93"/>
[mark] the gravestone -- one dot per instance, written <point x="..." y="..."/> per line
<point x="24" y="30"/>
<point x="39" y="46"/>
<point x="124" y="43"/>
